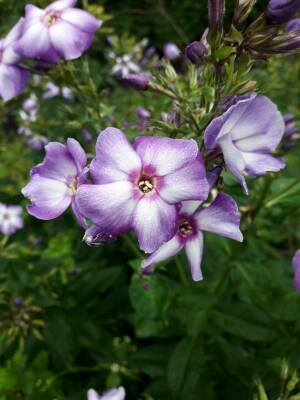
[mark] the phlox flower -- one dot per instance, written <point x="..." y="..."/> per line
<point x="124" y="66"/>
<point x="138" y="187"/>
<point x="10" y="219"/>
<point x="246" y="134"/>
<point x="60" y="31"/>
<point x="54" y="182"/>
<point x="220" y="217"/>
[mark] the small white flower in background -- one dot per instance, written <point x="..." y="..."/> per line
<point x="10" y="219"/>
<point x="124" y="66"/>
<point x="53" y="90"/>
<point x="112" y="394"/>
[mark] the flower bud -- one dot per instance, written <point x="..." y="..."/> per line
<point x="282" y="10"/>
<point x="293" y="25"/>
<point x="242" y="10"/>
<point x="142" y="113"/>
<point x="195" y="52"/>
<point x="18" y="303"/>
<point x="216" y="11"/>
<point x="137" y="81"/>
<point x="171" y="51"/>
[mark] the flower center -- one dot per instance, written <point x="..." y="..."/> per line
<point x="185" y="228"/>
<point x="51" y="18"/>
<point x="73" y="186"/>
<point x="145" y="184"/>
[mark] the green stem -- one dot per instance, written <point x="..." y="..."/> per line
<point x="263" y="194"/>
<point x="181" y="273"/>
<point x="132" y="246"/>
<point x="281" y="194"/>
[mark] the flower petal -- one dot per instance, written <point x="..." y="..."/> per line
<point x="69" y="41"/>
<point x="77" y="153"/>
<point x="83" y="20"/>
<point x="234" y="160"/>
<point x="194" y="250"/>
<point x="164" y="154"/>
<point x="154" y="222"/>
<point x="58" y="164"/>
<point x="260" y="164"/>
<point x="78" y="214"/>
<point x="109" y="206"/>
<point x="50" y="198"/>
<point x="14" y="33"/>
<point x="61" y="5"/>
<point x="92" y="395"/>
<point x="13" y="81"/>
<point x="33" y="12"/>
<point x="221" y="217"/>
<point x="296" y="267"/>
<point x="186" y="183"/>
<point x="165" y="251"/>
<point x="115" y="158"/>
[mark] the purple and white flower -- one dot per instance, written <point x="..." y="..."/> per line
<point x="124" y="66"/>
<point x="221" y="217"/>
<point x="53" y="90"/>
<point x="138" y="187"/>
<point x="246" y="134"/>
<point x="30" y="104"/>
<point x="13" y="78"/>
<point x="112" y="394"/>
<point x="10" y="219"/>
<point x="296" y="267"/>
<point x="53" y="184"/>
<point x="171" y="51"/>
<point x="60" y="31"/>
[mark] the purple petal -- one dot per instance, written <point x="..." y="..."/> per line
<point x="33" y="12"/>
<point x="77" y="153"/>
<point x="165" y="251"/>
<point x="83" y="20"/>
<point x="113" y="394"/>
<point x="69" y="41"/>
<point x="234" y="160"/>
<point x="258" y="164"/>
<point x="109" y="206"/>
<point x="14" y="33"/>
<point x="78" y="214"/>
<point x="165" y="154"/>
<point x="92" y="395"/>
<point x="13" y="81"/>
<point x="194" y="250"/>
<point x="189" y="207"/>
<point x="50" y="198"/>
<point x="61" y="5"/>
<point x="58" y="164"/>
<point x="154" y="222"/>
<point x="35" y="43"/>
<point x="296" y="267"/>
<point x="293" y="25"/>
<point x="221" y="217"/>
<point x="186" y="183"/>
<point x="115" y="158"/>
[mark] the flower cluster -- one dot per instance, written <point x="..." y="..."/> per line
<point x="60" y="31"/>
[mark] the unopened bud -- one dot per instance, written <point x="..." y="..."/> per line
<point x="282" y="10"/>
<point x="137" y="81"/>
<point x="242" y="10"/>
<point x="216" y="11"/>
<point x="195" y="52"/>
<point x="293" y="25"/>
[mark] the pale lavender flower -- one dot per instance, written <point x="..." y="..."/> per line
<point x="220" y="217"/>
<point x="142" y="113"/>
<point x="296" y="267"/>
<point x="54" y="182"/>
<point x="124" y="66"/>
<point x="13" y="78"/>
<point x="37" y="142"/>
<point x="30" y="104"/>
<point x="60" y="31"/>
<point x="246" y="134"/>
<point x="171" y="51"/>
<point x="282" y="10"/>
<point x="293" y="25"/>
<point x="138" y="187"/>
<point x="53" y="90"/>
<point x="10" y="219"/>
<point x="112" y="394"/>
<point x="24" y="131"/>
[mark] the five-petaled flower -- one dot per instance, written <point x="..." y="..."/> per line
<point x="60" y="31"/>
<point x="54" y="182"/>
<point x="139" y="187"/>
<point x="220" y="217"/>
<point x="246" y="134"/>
